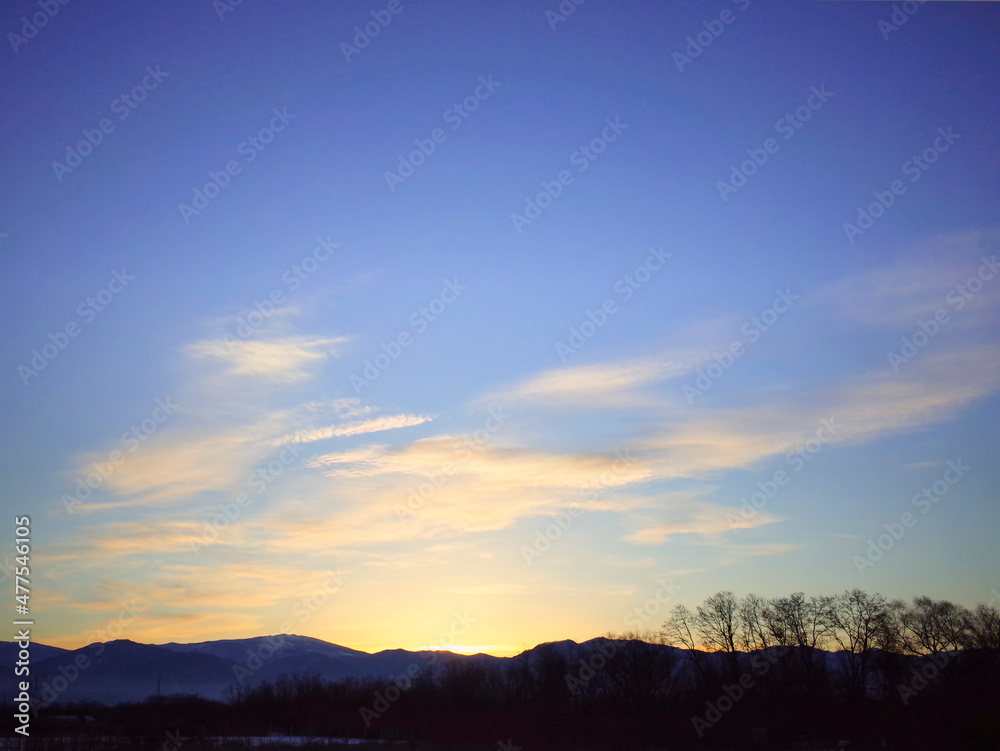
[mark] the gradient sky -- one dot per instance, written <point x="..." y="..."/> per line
<point x="281" y="389"/>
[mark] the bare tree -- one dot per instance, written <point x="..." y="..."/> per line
<point x="718" y="621"/>
<point x="860" y="623"/>
<point x="797" y="622"/>
<point x="718" y="626"/>
<point x="983" y="628"/>
<point x="802" y="625"/>
<point x="932" y="626"/>
<point x="679" y="629"/>
<point x="777" y="623"/>
<point x="753" y="620"/>
<point x="873" y="632"/>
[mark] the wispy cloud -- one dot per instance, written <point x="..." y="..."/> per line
<point x="375" y="425"/>
<point x="602" y="384"/>
<point x="917" y="283"/>
<point x="704" y="520"/>
<point x="290" y="359"/>
<point x="933" y="390"/>
<point x="494" y="487"/>
<point x="182" y="463"/>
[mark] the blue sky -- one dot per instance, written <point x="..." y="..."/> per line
<point x="252" y="321"/>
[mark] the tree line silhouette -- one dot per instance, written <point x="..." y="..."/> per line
<point x="786" y="672"/>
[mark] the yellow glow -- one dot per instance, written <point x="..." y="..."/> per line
<point x="497" y="650"/>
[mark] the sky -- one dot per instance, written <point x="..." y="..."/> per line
<point x="422" y="324"/>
